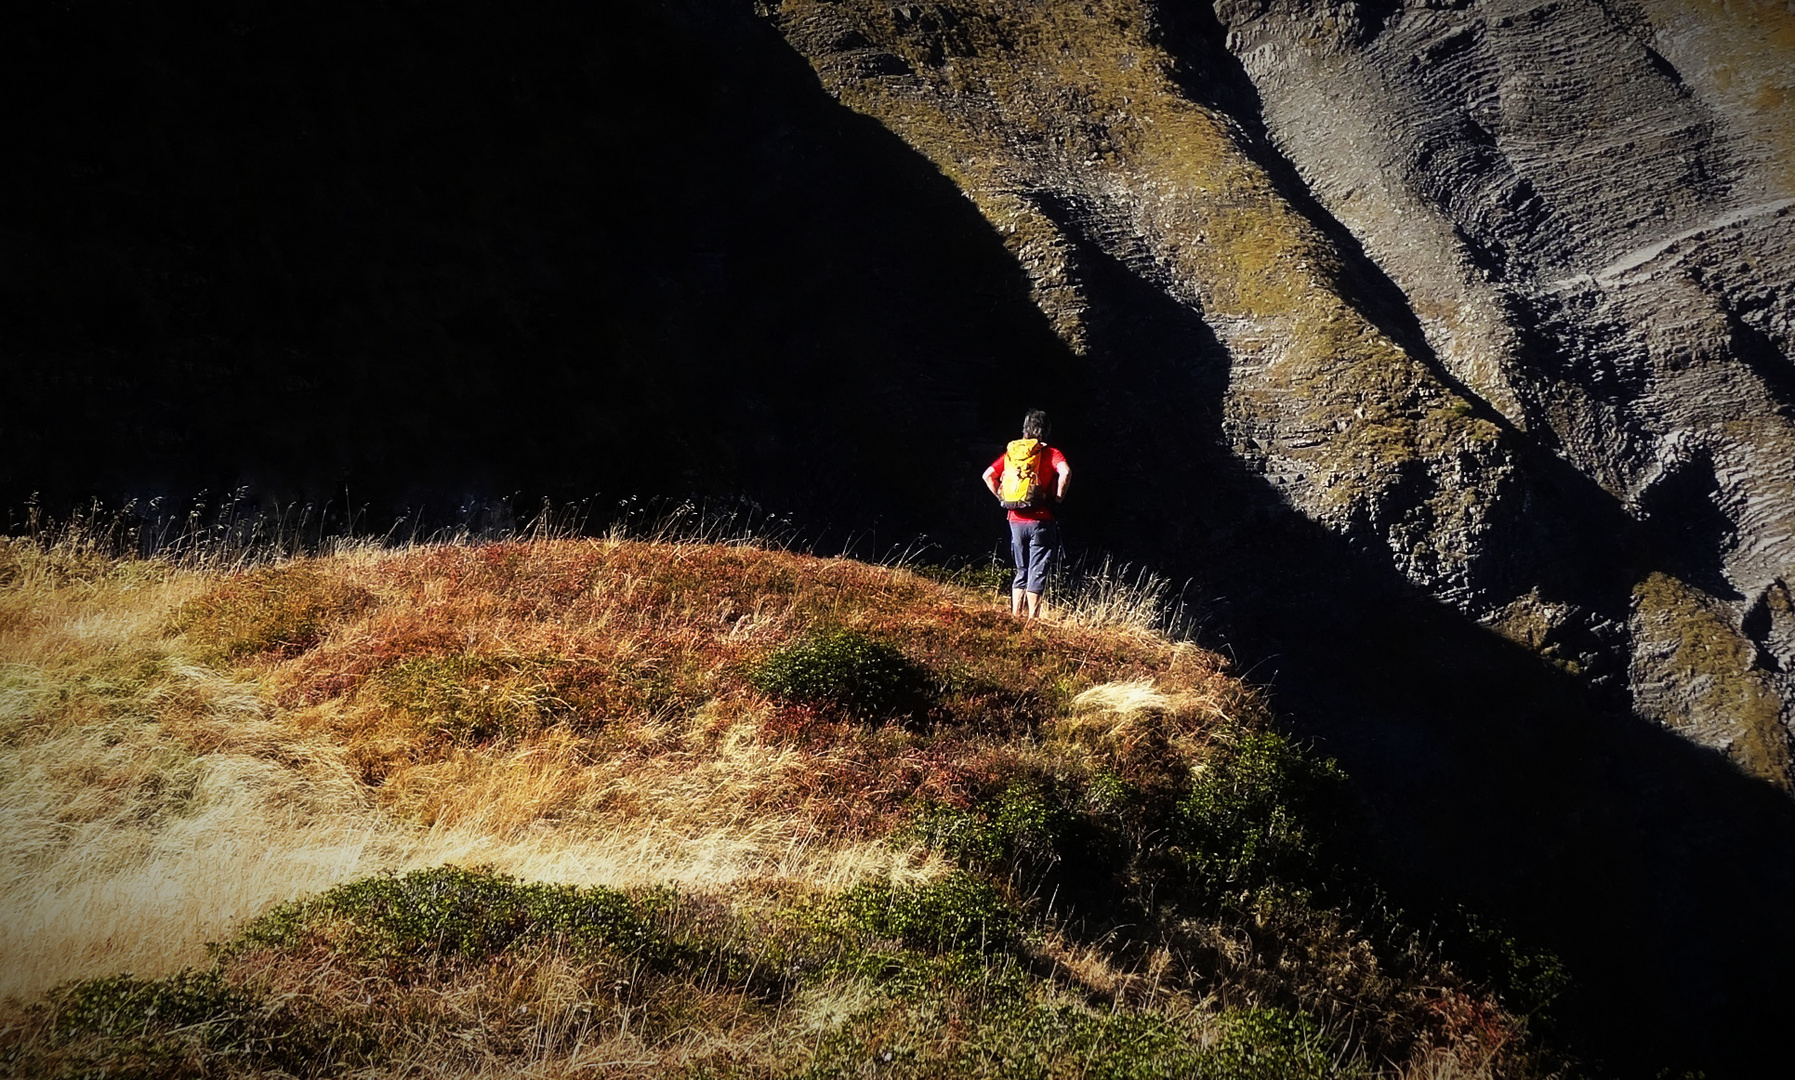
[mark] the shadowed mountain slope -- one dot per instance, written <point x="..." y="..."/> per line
<point x="433" y="255"/>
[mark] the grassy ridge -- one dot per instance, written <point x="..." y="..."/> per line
<point x="672" y="809"/>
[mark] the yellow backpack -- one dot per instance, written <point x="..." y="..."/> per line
<point x="1020" y="486"/>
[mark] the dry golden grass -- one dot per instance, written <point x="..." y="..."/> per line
<point x="176" y="758"/>
<point x="183" y="748"/>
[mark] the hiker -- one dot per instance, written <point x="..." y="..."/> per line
<point x="1029" y="479"/>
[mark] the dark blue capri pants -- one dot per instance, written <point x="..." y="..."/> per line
<point x="1032" y="544"/>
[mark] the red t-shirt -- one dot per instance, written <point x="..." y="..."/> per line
<point x="1047" y="474"/>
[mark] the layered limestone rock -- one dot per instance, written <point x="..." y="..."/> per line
<point x="1501" y="285"/>
<point x="1071" y="133"/>
<point x="1590" y="207"/>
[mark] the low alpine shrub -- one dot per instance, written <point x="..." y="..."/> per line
<point x="1022" y="824"/>
<point x="396" y="922"/>
<point x="186" y="1024"/>
<point x="124" y="1007"/>
<point x="957" y="913"/>
<point x="1105" y="1045"/>
<point x="1256" y="816"/>
<point x="847" y="670"/>
<point x="1268" y="1044"/>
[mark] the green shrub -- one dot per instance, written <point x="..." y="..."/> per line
<point x="1108" y="793"/>
<point x="451" y="912"/>
<point x="958" y="913"/>
<point x="844" y="669"/>
<point x="966" y="836"/>
<point x="1268" y="1044"/>
<point x="191" y="1023"/>
<point x="1528" y="979"/>
<point x="1256" y="816"/>
<point x="1004" y="1030"/>
<point x="123" y="1007"/>
<point x="1029" y="1038"/>
<point x="1022" y="823"/>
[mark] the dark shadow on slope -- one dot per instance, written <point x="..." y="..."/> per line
<point x="1777" y="369"/>
<point x="1681" y="509"/>
<point x="1486" y="776"/>
<point x="438" y="254"/>
<point x="1653" y="866"/>
<point x="1149" y="408"/>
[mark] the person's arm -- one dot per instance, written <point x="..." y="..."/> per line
<point x="990" y="479"/>
<point x="1065" y="472"/>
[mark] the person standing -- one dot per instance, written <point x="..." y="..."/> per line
<point x="1029" y="480"/>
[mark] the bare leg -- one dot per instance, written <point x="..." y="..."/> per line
<point x="1034" y="605"/>
<point x="1016" y="601"/>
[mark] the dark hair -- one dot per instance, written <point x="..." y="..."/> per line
<point x="1035" y="425"/>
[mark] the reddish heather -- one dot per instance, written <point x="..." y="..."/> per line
<point x="638" y="656"/>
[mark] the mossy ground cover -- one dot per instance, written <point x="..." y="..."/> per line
<point x="926" y="980"/>
<point x="1705" y="653"/>
<point x="1100" y="860"/>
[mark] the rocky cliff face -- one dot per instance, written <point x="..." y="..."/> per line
<point x="1588" y="206"/>
<point x="1494" y="290"/>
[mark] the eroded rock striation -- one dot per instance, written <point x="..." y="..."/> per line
<point x="1498" y="289"/>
